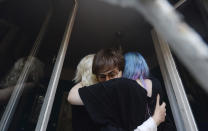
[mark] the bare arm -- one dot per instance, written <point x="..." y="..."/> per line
<point x="74" y="97"/>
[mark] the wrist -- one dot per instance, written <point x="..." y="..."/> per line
<point x="157" y="122"/>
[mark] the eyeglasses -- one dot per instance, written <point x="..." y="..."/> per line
<point x="108" y="75"/>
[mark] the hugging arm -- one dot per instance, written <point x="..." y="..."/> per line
<point x="149" y="125"/>
<point x="73" y="96"/>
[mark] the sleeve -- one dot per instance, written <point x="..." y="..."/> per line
<point x="148" y="125"/>
<point x="99" y="101"/>
<point x="96" y="102"/>
<point x="116" y="102"/>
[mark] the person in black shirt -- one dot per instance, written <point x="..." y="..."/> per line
<point x="113" y="92"/>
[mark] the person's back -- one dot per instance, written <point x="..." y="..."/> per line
<point x="115" y="103"/>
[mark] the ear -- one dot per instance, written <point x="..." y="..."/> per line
<point x="120" y="74"/>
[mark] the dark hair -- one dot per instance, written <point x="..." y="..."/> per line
<point x="107" y="59"/>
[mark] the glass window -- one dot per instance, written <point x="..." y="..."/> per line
<point x="20" y="24"/>
<point x="30" y="36"/>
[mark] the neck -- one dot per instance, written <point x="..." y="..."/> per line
<point x="141" y="83"/>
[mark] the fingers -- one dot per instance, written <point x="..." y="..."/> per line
<point x="160" y="111"/>
<point x="162" y="107"/>
<point x="158" y="100"/>
<point x="163" y="104"/>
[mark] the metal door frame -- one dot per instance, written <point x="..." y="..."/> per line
<point x="180" y="107"/>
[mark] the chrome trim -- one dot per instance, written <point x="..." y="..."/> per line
<point x="50" y="94"/>
<point x="181" y="110"/>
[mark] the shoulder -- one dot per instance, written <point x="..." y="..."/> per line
<point x="148" y="82"/>
<point x="121" y="82"/>
<point x="78" y="85"/>
<point x="156" y="87"/>
<point x="124" y="84"/>
<point x="155" y="82"/>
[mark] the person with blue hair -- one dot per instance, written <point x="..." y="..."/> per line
<point x="137" y="69"/>
<point x="106" y="101"/>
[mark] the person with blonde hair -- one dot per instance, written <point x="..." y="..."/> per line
<point x="84" y="73"/>
<point x="81" y="120"/>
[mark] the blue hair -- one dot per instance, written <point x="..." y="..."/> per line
<point x="135" y="66"/>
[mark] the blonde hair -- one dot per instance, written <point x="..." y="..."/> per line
<point x="84" y="71"/>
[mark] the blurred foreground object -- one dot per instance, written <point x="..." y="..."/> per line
<point x="185" y="42"/>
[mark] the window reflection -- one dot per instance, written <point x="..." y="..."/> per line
<point x="8" y="83"/>
<point x="20" y="26"/>
<point x="31" y="88"/>
<point x="23" y="25"/>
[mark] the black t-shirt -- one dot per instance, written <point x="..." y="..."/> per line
<point x="120" y="103"/>
<point x="81" y="121"/>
